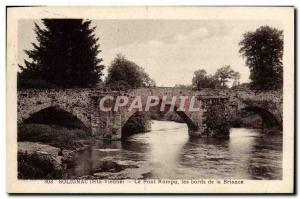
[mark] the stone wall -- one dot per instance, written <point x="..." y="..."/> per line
<point x="75" y="101"/>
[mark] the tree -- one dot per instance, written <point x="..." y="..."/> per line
<point x="64" y="56"/>
<point x="202" y="80"/>
<point x="125" y="73"/>
<point x="224" y="74"/>
<point x="263" y="50"/>
<point x="236" y="79"/>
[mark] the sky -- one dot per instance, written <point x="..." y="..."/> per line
<point x="169" y="50"/>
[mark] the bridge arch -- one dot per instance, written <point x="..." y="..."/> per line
<point x="268" y="118"/>
<point x="185" y="116"/>
<point x="62" y="107"/>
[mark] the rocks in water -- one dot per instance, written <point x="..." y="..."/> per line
<point x="119" y="170"/>
<point x="146" y="175"/>
<point x="111" y="166"/>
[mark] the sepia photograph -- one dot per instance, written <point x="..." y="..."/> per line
<point x="150" y="99"/>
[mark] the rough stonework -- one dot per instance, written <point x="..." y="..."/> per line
<point x="83" y="103"/>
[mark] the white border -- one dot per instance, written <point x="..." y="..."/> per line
<point x="2" y="87"/>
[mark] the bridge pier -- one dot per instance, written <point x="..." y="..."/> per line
<point x="107" y="125"/>
<point x="114" y="125"/>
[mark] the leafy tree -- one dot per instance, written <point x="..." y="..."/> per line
<point x="224" y="74"/>
<point x="125" y="73"/>
<point x="64" y="56"/>
<point x="202" y="80"/>
<point x="263" y="50"/>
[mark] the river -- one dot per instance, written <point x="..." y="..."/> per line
<point x="168" y="152"/>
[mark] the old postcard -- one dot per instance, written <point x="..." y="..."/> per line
<point x="150" y="100"/>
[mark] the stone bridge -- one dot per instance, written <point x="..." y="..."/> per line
<point x="84" y="105"/>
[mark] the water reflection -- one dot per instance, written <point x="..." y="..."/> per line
<point x="168" y="152"/>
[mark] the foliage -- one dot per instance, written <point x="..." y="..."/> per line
<point x="243" y="86"/>
<point x="182" y="86"/>
<point x="37" y="166"/>
<point x="218" y="80"/>
<point x="225" y="73"/>
<point x="53" y="135"/>
<point x="136" y="124"/>
<point x="64" y="56"/>
<point x="31" y="79"/>
<point x="216" y="121"/>
<point x="202" y="80"/>
<point x="236" y="79"/>
<point x="125" y="73"/>
<point x="263" y="50"/>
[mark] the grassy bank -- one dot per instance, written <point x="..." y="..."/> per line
<point x="56" y="136"/>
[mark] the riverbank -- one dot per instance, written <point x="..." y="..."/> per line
<point x="48" y="152"/>
<point x="45" y="152"/>
<point x="43" y="161"/>
<point x="57" y="136"/>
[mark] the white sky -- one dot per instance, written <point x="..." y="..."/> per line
<point x="169" y="50"/>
